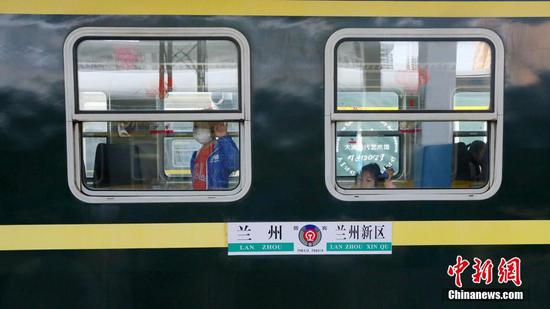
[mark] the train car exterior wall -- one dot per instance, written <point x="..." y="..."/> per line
<point x="287" y="147"/>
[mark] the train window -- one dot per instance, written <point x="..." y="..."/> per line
<point x="443" y="154"/>
<point x="413" y="114"/>
<point x="377" y="75"/>
<point x="160" y="156"/>
<point x="199" y="75"/>
<point x="158" y="114"/>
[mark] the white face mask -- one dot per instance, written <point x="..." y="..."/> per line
<point x="202" y="135"/>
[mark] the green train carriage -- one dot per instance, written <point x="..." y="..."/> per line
<point x="99" y="105"/>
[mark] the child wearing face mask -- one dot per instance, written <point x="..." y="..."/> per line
<point x="218" y="157"/>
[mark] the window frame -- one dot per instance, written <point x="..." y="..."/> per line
<point x="75" y="118"/>
<point x="493" y="116"/>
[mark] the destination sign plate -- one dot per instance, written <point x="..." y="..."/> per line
<point x="309" y="238"/>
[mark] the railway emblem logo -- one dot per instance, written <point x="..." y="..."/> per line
<point x="310" y="235"/>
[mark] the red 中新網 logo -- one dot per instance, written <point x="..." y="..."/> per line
<point x="508" y="270"/>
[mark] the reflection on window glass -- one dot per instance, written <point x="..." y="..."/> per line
<point x="469" y="131"/>
<point x="472" y="100"/>
<point x="360" y="143"/>
<point x="411" y="154"/>
<point x="153" y="75"/>
<point x="93" y="101"/>
<point x="413" y="75"/>
<point x="177" y="155"/>
<point x="95" y="127"/>
<point x="364" y="101"/>
<point x="162" y="156"/>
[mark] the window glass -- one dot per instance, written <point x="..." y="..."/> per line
<point x="470" y="131"/>
<point x="158" y="75"/>
<point x="376" y="75"/>
<point x="178" y="152"/>
<point x="88" y="155"/>
<point x="472" y="100"/>
<point x="368" y="100"/>
<point x="367" y="126"/>
<point x="417" y="154"/>
<point x="193" y="156"/>
<point x="360" y="143"/>
<point x="95" y="127"/>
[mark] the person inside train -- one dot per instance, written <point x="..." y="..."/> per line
<point x="217" y="158"/>
<point x="478" y="161"/>
<point x="462" y="162"/>
<point x="371" y="177"/>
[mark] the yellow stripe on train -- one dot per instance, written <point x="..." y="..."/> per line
<point x="366" y="108"/>
<point x="214" y="235"/>
<point x="282" y="8"/>
<point x="380" y="108"/>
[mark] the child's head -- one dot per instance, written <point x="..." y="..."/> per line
<point x="368" y="177"/>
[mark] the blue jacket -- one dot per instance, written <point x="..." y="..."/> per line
<point x="223" y="160"/>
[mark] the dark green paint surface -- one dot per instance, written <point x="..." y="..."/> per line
<point x="287" y="57"/>
<point x="410" y="278"/>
